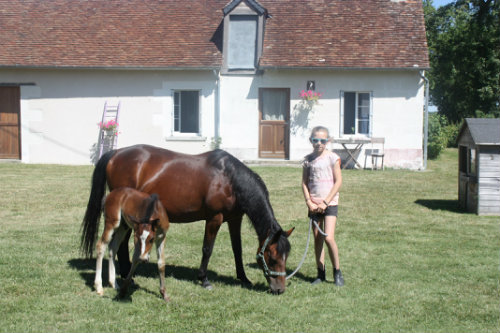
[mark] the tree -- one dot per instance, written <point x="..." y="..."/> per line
<point x="464" y="52"/>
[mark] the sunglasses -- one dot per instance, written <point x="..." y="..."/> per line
<point x="323" y="141"/>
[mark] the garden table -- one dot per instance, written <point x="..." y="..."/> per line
<point x="352" y="146"/>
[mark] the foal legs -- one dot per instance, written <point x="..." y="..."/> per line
<point x="160" y="247"/>
<point x="113" y="247"/>
<point x="102" y="244"/>
<point x="211" y="228"/>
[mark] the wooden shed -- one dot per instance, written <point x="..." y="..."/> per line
<point x="479" y="166"/>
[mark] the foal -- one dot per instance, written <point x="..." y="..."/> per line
<point x="147" y="216"/>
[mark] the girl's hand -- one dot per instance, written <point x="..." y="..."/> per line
<point x="312" y="206"/>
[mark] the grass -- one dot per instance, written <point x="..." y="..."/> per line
<point x="411" y="260"/>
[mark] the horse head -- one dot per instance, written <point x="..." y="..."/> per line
<point x="271" y="257"/>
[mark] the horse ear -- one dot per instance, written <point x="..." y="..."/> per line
<point x="289" y="232"/>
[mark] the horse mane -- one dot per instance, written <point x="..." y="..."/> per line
<point x="150" y="208"/>
<point x="252" y="196"/>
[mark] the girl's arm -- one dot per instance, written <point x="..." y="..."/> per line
<point x="305" y="190"/>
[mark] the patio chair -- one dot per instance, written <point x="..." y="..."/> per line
<point x="376" y="152"/>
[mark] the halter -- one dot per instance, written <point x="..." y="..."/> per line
<point x="260" y="255"/>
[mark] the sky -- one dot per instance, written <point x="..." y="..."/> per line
<point x="439" y="3"/>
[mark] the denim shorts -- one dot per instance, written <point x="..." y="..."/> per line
<point x="330" y="211"/>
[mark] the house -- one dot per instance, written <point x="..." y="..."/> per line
<point x="479" y="166"/>
<point x="193" y="74"/>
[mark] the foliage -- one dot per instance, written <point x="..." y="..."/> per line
<point x="464" y="39"/>
<point x="437" y="139"/>
<point x="412" y="261"/>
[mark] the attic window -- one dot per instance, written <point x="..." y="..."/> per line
<point x="242" y="42"/>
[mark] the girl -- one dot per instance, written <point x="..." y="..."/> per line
<point x="321" y="181"/>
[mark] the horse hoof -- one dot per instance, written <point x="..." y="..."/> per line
<point x="100" y="292"/>
<point x="205" y="284"/>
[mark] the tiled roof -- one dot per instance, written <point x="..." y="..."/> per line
<point x="187" y="33"/>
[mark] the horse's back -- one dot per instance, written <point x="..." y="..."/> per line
<point x="189" y="186"/>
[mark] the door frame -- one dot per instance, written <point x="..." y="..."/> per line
<point x="286" y="123"/>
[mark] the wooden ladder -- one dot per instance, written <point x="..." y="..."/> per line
<point x="107" y="140"/>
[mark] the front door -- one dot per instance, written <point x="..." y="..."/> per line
<point x="10" y="142"/>
<point x="274" y="118"/>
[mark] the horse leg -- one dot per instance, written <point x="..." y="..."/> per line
<point x="102" y="244"/>
<point x="126" y="283"/>
<point x="211" y="228"/>
<point x="123" y="258"/>
<point x="118" y="239"/>
<point x="235" y="232"/>
<point x="160" y="251"/>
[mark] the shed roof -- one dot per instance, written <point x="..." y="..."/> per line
<point x="484" y="131"/>
<point x="381" y="34"/>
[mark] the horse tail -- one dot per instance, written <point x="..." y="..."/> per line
<point x="90" y="224"/>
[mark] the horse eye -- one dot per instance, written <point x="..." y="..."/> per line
<point x="151" y="240"/>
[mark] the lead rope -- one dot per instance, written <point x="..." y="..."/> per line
<point x="311" y="221"/>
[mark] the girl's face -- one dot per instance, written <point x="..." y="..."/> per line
<point x="319" y="140"/>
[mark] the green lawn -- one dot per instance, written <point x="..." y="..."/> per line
<point x="412" y="261"/>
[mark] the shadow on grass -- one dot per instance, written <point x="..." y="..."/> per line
<point x="438" y="204"/>
<point x="86" y="267"/>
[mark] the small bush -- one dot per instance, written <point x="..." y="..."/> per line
<point x="437" y="139"/>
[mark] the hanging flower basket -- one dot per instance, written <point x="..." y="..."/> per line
<point x="310" y="96"/>
<point x="110" y="127"/>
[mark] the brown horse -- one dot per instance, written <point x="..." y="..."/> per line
<point x="213" y="186"/>
<point x="143" y="213"/>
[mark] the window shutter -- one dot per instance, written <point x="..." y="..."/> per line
<point x="371" y="115"/>
<point x="341" y="123"/>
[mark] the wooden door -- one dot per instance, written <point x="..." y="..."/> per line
<point x="274" y="119"/>
<point x="10" y="139"/>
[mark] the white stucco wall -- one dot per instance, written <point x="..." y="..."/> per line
<point x="397" y="110"/>
<point x="60" y="110"/>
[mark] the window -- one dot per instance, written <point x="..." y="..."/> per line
<point x="356" y="113"/>
<point x="242" y="41"/>
<point x="186" y="111"/>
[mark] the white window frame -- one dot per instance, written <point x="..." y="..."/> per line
<point x="178" y="133"/>
<point x="356" y="130"/>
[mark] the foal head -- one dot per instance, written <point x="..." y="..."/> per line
<point x="145" y="227"/>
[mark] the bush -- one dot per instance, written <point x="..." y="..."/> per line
<point x="437" y="139"/>
<point x="451" y="133"/>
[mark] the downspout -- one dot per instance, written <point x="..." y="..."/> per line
<point x="426" y="117"/>
<point x="217" y="107"/>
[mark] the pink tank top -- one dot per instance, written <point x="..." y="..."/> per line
<point x="321" y="177"/>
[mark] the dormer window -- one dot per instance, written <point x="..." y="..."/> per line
<point x="242" y="43"/>
<point x="243" y="36"/>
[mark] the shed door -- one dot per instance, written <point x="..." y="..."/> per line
<point x="274" y="115"/>
<point x="10" y="143"/>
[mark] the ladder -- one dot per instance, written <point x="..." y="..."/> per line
<point x="108" y="139"/>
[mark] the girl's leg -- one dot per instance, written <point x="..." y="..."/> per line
<point x="320" y="254"/>
<point x="330" y="223"/>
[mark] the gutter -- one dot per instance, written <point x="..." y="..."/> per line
<point x="426" y="118"/>
<point x="217" y="106"/>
